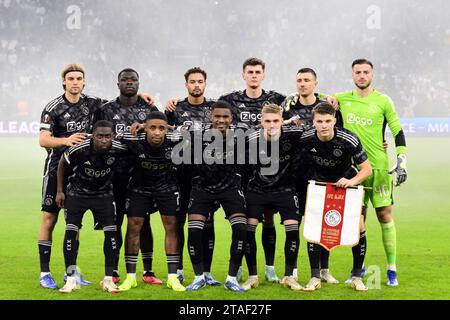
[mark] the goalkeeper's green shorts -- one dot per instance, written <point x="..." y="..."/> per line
<point x="381" y="193"/>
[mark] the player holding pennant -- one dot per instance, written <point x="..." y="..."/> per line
<point x="335" y="152"/>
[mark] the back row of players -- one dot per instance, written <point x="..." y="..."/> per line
<point x="66" y="120"/>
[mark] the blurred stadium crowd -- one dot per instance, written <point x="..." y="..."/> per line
<point x="410" y="47"/>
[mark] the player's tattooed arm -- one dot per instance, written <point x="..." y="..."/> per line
<point x="47" y="140"/>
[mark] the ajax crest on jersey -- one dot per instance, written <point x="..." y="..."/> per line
<point x="332" y="215"/>
<point x="142" y="116"/>
<point x="337" y="152"/>
<point x="85" y="110"/>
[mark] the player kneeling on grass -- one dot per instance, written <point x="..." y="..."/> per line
<point x="90" y="166"/>
<point x="334" y="152"/>
<point x="153" y="180"/>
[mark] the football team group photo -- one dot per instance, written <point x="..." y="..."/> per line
<point x="221" y="150"/>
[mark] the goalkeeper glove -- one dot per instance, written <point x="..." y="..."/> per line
<point x="400" y="170"/>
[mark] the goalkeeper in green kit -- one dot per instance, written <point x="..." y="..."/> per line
<point x="366" y="112"/>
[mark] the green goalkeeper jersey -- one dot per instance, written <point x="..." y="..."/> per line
<point x="367" y="118"/>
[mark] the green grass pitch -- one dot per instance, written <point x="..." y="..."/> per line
<point x="422" y="217"/>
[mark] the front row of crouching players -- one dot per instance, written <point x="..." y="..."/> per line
<point x="268" y="154"/>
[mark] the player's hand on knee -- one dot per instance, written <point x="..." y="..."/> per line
<point x="171" y="104"/>
<point x="75" y="139"/>
<point x="60" y="198"/>
<point x="400" y="170"/>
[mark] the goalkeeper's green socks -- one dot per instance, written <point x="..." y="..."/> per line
<point x="390" y="243"/>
